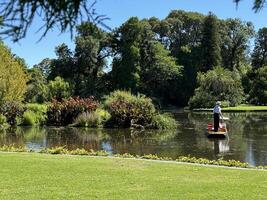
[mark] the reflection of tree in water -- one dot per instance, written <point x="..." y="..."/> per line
<point x="247" y="138"/>
<point x="255" y="131"/>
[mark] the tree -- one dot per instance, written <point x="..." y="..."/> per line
<point x="59" y="89"/>
<point x="63" y="66"/>
<point x="90" y="56"/>
<point x="258" y="93"/>
<point x="17" y="16"/>
<point x="259" y="55"/>
<point x="217" y="84"/>
<point x="13" y="77"/>
<point x="126" y="63"/>
<point x="37" y="89"/>
<point x="159" y="72"/>
<point x="235" y="36"/>
<point x="180" y="33"/>
<point x="210" y="44"/>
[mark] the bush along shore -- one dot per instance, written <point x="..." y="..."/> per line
<point x="91" y="152"/>
<point x="120" y="109"/>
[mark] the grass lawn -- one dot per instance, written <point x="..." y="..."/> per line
<point x="241" y="108"/>
<point x="43" y="176"/>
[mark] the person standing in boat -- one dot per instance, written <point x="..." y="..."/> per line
<point x="217" y="112"/>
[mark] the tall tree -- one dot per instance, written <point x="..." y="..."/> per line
<point x="210" y="44"/>
<point x="126" y="64"/>
<point x="37" y="89"/>
<point x="259" y="55"/>
<point x="235" y="42"/>
<point x="13" y="77"/>
<point x="63" y="66"/>
<point x="90" y="56"/>
<point x="258" y="93"/>
<point x="180" y="33"/>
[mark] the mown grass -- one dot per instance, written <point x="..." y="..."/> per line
<point x="241" y="108"/>
<point x="43" y="176"/>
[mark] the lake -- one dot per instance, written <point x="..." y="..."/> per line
<point x="246" y="141"/>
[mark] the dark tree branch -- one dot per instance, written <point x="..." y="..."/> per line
<point x="258" y="4"/>
<point x="18" y="15"/>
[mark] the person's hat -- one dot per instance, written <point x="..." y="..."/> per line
<point x="218" y="103"/>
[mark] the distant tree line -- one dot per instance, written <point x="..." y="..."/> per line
<point x="186" y="58"/>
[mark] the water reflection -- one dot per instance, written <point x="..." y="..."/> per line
<point x="247" y="139"/>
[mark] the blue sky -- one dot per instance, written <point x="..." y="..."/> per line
<point x="120" y="10"/>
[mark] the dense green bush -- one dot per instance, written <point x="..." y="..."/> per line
<point x="217" y="84"/>
<point x="258" y="93"/>
<point x="12" y="111"/>
<point x="127" y="109"/>
<point x="35" y="114"/>
<point x="88" y="119"/>
<point x="3" y="122"/>
<point x="163" y="121"/>
<point x="59" y="89"/>
<point x="29" y="118"/>
<point x="104" y="115"/>
<point x="66" y="111"/>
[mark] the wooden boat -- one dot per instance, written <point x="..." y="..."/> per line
<point x="222" y="131"/>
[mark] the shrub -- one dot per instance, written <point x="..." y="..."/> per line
<point x="88" y="119"/>
<point x="217" y="84"/>
<point x="66" y="111"/>
<point x="35" y="114"/>
<point x="3" y="122"/>
<point x="59" y="89"/>
<point x="127" y="109"/>
<point x="163" y="121"/>
<point x="29" y="118"/>
<point x="35" y="107"/>
<point x="104" y="115"/>
<point x="12" y="111"/>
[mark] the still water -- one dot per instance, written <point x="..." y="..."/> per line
<point x="246" y="141"/>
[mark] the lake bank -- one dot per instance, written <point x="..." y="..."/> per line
<point x="242" y="108"/>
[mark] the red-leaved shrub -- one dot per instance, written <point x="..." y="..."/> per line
<point x="61" y="113"/>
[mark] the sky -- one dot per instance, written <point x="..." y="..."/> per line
<point x="120" y="10"/>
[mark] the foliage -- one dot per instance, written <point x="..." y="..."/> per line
<point x="259" y="55"/>
<point x="127" y="110"/>
<point x="35" y="114"/>
<point x="3" y="122"/>
<point x="258" y="93"/>
<point x="37" y="89"/>
<point x="59" y="89"/>
<point x="235" y="36"/>
<point x="18" y="15"/>
<point x="103" y="114"/>
<point x="210" y="44"/>
<point x="158" y="71"/>
<point x="12" y="76"/>
<point x="257" y="6"/>
<point x="163" y="121"/>
<point x="66" y="111"/>
<point x="12" y="111"/>
<point x="218" y="84"/>
<point x="126" y="66"/>
<point x="83" y="67"/>
<point x="88" y="119"/>
<point x="29" y="118"/>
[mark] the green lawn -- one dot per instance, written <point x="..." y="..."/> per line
<point x="241" y="108"/>
<point x="43" y="176"/>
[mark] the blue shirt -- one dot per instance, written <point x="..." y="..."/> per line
<point x="217" y="109"/>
